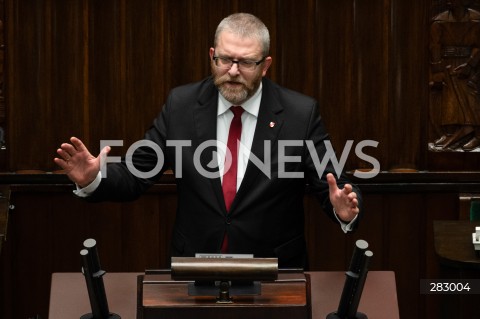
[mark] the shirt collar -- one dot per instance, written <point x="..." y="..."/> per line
<point x="252" y="105"/>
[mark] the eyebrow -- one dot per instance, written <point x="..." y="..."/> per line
<point x="231" y="58"/>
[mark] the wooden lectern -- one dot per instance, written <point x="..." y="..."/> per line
<point x="69" y="298"/>
<point x="284" y="298"/>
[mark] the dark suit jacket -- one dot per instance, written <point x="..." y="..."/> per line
<point x="266" y="217"/>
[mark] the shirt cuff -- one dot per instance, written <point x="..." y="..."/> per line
<point x="90" y="188"/>
<point x="346" y="227"/>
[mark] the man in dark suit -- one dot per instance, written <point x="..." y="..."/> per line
<point x="282" y="148"/>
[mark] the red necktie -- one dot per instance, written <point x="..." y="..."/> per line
<point x="229" y="184"/>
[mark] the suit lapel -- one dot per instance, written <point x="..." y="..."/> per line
<point x="205" y="118"/>
<point x="269" y="124"/>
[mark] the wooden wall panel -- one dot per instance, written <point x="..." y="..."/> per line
<point x="48" y="226"/>
<point x="333" y="66"/>
<point x="102" y="70"/>
<point x="436" y="209"/>
<point x="48" y="236"/>
<point x="107" y="66"/>
<point x="403" y="247"/>
<point x="409" y="84"/>
<point x="64" y="81"/>
<point x="3" y="112"/>
<point x="26" y="62"/>
<point x="370" y="87"/>
<point x="295" y="41"/>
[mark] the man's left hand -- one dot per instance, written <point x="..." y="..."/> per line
<point x="343" y="200"/>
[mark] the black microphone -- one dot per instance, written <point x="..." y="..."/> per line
<point x="93" y="276"/>
<point x="354" y="282"/>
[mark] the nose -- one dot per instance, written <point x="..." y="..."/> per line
<point x="234" y="69"/>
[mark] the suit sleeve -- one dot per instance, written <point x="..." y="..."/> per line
<point x="318" y="164"/>
<point x="139" y="169"/>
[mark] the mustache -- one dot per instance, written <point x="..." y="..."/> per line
<point x="227" y="78"/>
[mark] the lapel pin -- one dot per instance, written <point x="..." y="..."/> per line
<point x="272" y="124"/>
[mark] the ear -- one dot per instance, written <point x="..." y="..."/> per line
<point x="211" y="52"/>
<point x="266" y="65"/>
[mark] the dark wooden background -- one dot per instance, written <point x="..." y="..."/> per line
<point x="101" y="70"/>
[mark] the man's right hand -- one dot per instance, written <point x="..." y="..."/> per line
<point x="77" y="162"/>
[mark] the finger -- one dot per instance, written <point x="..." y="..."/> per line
<point x="332" y="183"/>
<point x="63" y="161"/>
<point x="103" y="154"/>
<point x="60" y="162"/>
<point x="68" y="148"/>
<point x="354" y="203"/>
<point x="64" y="154"/>
<point x="347" y="189"/>
<point x="78" y="144"/>
<point x="352" y="195"/>
<point x="355" y="210"/>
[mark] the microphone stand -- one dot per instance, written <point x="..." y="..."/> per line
<point x="93" y="277"/>
<point x="354" y="282"/>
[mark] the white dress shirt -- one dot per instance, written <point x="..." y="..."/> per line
<point x="249" y="122"/>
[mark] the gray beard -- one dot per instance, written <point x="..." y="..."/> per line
<point x="233" y="96"/>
